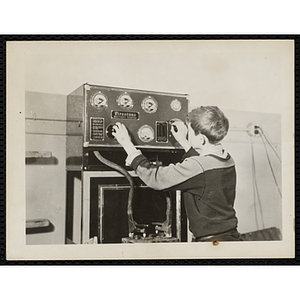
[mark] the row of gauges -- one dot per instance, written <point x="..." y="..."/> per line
<point x="148" y="104"/>
<point x="146" y="133"/>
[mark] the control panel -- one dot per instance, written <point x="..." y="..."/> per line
<point x="146" y="114"/>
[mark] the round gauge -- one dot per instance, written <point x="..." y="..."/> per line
<point x="146" y="133"/>
<point x="99" y="101"/>
<point x="149" y="105"/>
<point x="176" y="105"/>
<point x="125" y="101"/>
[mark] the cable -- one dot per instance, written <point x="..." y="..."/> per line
<point x="79" y="121"/>
<point x="270" y="165"/>
<point x="255" y="187"/>
<point x="132" y="224"/>
<point x="49" y="133"/>
<point x="259" y="202"/>
<point x="254" y="177"/>
<point x="253" y="183"/>
<point x="270" y="144"/>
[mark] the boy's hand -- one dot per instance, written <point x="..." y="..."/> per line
<point x="179" y="131"/>
<point x="121" y="134"/>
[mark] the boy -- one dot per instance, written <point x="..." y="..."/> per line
<point x="206" y="176"/>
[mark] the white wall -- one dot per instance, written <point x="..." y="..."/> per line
<point x="239" y="75"/>
<point x="46" y="184"/>
<point x="238" y="143"/>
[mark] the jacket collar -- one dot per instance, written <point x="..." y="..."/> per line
<point x="216" y="150"/>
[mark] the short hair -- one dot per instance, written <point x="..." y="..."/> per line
<point x="209" y="121"/>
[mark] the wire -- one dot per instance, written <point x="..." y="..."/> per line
<point x="131" y="223"/>
<point x="270" y="144"/>
<point x="253" y="183"/>
<point x="54" y="120"/>
<point x="49" y="133"/>
<point x="270" y="165"/>
<point x="254" y="177"/>
<point x="256" y="185"/>
<point x="259" y="201"/>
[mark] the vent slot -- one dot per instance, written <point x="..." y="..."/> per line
<point x="161" y="132"/>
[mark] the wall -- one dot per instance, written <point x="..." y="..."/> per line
<point x="265" y="211"/>
<point x="239" y="75"/>
<point x="45" y="183"/>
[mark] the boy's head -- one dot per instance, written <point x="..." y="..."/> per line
<point x="210" y="122"/>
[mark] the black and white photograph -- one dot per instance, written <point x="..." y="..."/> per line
<point x="150" y="149"/>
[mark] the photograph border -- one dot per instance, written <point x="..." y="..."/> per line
<point x="222" y="261"/>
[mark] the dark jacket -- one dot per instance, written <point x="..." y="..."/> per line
<point x="208" y="185"/>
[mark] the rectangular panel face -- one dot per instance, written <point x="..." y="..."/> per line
<point x="146" y="115"/>
<point x="97" y="129"/>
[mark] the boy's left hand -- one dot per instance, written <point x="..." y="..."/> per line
<point x="122" y="136"/>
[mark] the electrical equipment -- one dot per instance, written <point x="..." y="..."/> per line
<point x="152" y="210"/>
<point x="138" y="230"/>
<point x="92" y="110"/>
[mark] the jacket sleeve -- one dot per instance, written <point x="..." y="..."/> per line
<point x="166" y="177"/>
<point x="189" y="153"/>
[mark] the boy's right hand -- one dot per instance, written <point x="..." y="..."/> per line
<point x="179" y="131"/>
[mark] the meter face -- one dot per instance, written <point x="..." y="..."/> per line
<point x="125" y="101"/>
<point x="149" y="105"/>
<point x="146" y="133"/>
<point x="99" y="101"/>
<point x="176" y="105"/>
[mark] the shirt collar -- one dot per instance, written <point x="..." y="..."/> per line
<point x="216" y="150"/>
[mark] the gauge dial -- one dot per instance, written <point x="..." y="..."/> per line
<point x="125" y="101"/>
<point x="176" y="105"/>
<point x="99" y="101"/>
<point x="146" y="133"/>
<point x="149" y="105"/>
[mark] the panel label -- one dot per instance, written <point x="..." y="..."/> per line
<point x="97" y="129"/>
<point x="132" y="115"/>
